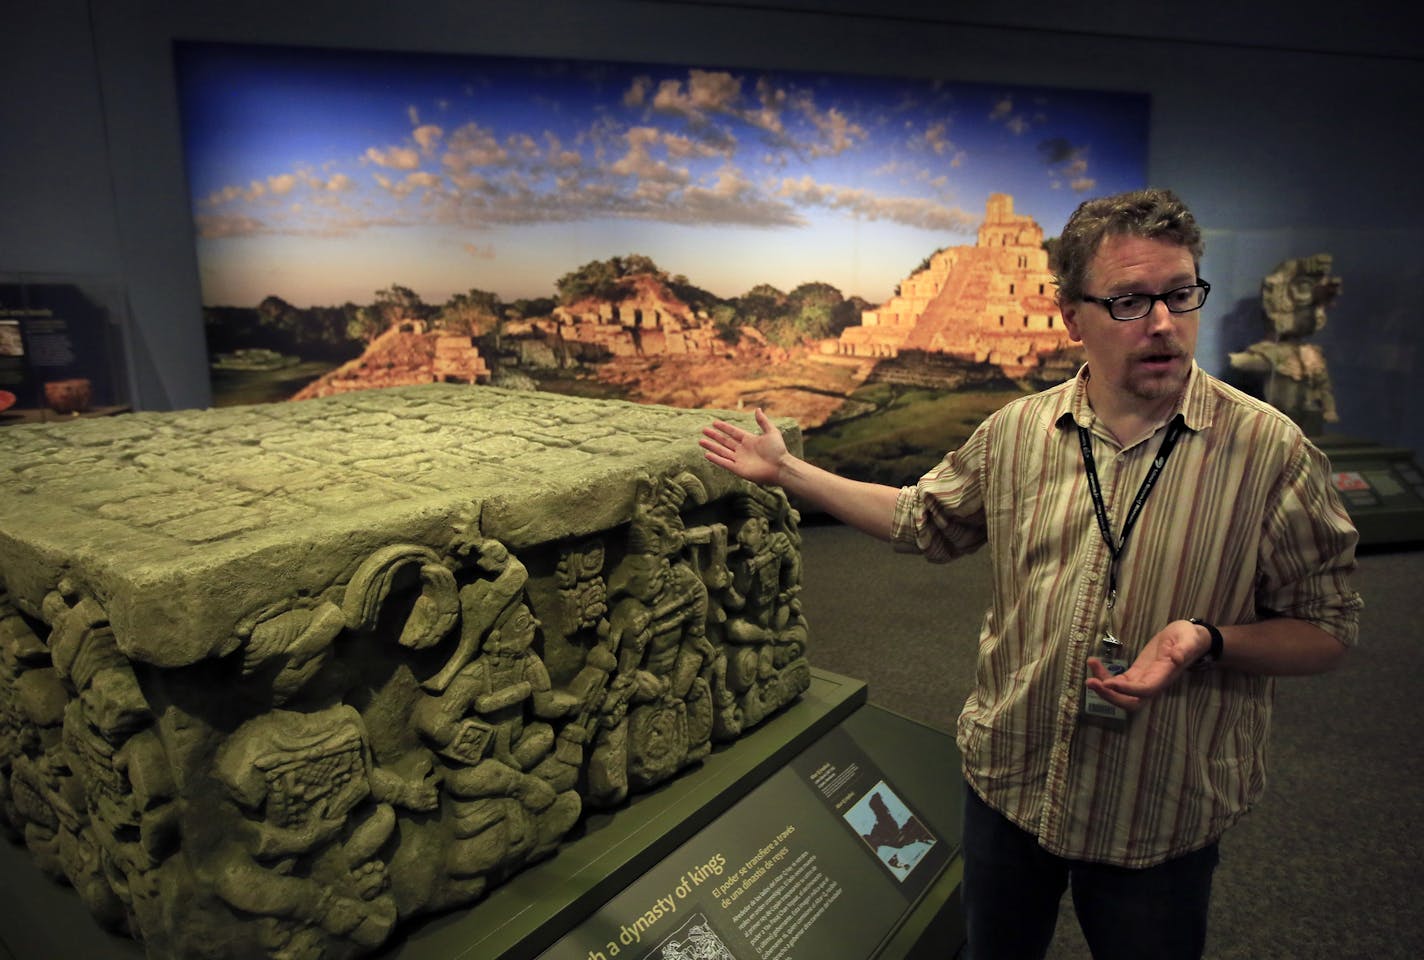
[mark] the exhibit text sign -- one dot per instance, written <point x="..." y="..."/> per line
<point x="822" y="859"/>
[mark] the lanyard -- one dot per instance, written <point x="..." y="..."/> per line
<point x="1085" y="440"/>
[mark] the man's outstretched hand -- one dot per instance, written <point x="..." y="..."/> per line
<point x="1166" y="657"/>
<point x="752" y="456"/>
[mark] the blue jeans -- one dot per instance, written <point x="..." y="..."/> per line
<point x="1012" y="887"/>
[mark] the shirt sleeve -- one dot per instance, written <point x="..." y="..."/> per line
<point x="1308" y="551"/>
<point x="942" y="516"/>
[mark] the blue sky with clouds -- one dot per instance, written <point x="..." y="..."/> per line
<point x="322" y="176"/>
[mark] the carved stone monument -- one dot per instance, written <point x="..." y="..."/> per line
<point x="1290" y="370"/>
<point x="276" y="679"/>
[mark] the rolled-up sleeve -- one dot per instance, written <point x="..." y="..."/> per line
<point x="1308" y="551"/>
<point x="942" y="516"/>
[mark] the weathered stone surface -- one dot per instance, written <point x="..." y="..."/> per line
<point x="275" y="679"/>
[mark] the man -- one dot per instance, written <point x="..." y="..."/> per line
<point x="1162" y="546"/>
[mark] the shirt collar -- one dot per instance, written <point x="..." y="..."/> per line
<point x="1197" y="406"/>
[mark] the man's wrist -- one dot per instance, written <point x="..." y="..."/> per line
<point x="1216" y="648"/>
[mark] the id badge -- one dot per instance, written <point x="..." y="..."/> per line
<point x="1111" y="654"/>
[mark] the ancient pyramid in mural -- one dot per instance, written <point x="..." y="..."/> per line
<point x="992" y="302"/>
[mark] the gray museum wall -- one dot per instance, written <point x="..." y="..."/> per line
<point x="1290" y="128"/>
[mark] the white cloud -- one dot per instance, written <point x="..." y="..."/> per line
<point x="214" y="226"/>
<point x="639" y="162"/>
<point x="707" y="92"/>
<point x="556" y="155"/>
<point x="935" y="137"/>
<point x="410" y="183"/>
<point x="839" y="132"/>
<point x="637" y="94"/>
<point x="714" y="90"/>
<point x="653" y="192"/>
<point x="522" y="143"/>
<point x="772" y="105"/>
<point x="1016" y="123"/>
<point x="910" y="211"/>
<point x="473" y="146"/>
<point x="469" y="182"/>
<point x="427" y="136"/>
<point x="394" y="158"/>
<point x="680" y="147"/>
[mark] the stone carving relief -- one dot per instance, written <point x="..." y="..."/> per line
<point x="401" y="739"/>
<point x="1288" y="370"/>
<point x="308" y="820"/>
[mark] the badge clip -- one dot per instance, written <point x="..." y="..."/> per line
<point x="1114" y="660"/>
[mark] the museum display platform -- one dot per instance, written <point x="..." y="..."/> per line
<point x="278" y="680"/>
<point x="1382" y="488"/>
<point x="774" y="821"/>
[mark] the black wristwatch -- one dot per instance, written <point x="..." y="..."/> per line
<point x="1212" y="655"/>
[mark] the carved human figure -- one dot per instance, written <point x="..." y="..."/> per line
<point x="669" y="688"/>
<point x="765" y="630"/>
<point x="1292" y="372"/>
<point x="32" y="699"/>
<point x="508" y="776"/>
<point x="41" y="797"/>
<point x="481" y="601"/>
<point x="482" y="710"/>
<point x="300" y="851"/>
<point x="83" y="780"/>
<point x="629" y="633"/>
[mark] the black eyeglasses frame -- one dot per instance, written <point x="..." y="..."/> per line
<point x="1107" y="302"/>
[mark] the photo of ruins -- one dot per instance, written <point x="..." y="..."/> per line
<point x="868" y="255"/>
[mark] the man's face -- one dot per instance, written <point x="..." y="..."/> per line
<point x="517" y="634"/>
<point x="1144" y="360"/>
<point x="645" y="577"/>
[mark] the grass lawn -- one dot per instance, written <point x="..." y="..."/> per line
<point x="234" y="387"/>
<point x="909" y="431"/>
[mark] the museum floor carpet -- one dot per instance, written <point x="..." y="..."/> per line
<point x="1327" y="867"/>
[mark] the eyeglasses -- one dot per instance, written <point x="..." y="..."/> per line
<point x="1135" y="306"/>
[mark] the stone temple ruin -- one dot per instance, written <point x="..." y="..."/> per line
<point x="992" y="302"/>
<point x="648" y="321"/>
<point x="276" y="679"/>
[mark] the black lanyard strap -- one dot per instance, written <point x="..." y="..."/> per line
<point x="1115" y="548"/>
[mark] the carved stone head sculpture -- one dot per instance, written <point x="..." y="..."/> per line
<point x="1296" y="294"/>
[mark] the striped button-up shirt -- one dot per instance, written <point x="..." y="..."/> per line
<point x="1242" y="525"/>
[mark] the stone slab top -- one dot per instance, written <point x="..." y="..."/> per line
<point x="182" y="522"/>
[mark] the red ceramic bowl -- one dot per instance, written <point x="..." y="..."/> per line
<point x="7" y="399"/>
